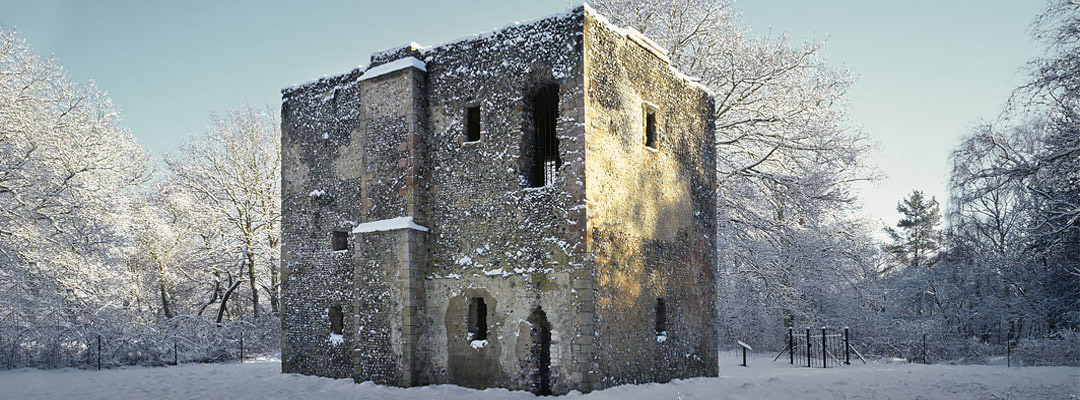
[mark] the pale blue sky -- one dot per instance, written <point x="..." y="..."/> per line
<point x="927" y="70"/>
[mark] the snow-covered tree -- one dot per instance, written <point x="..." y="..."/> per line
<point x="67" y="172"/>
<point x="233" y="175"/>
<point x="918" y="238"/>
<point x="1010" y="269"/>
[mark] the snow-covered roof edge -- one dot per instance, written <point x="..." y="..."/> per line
<point x="631" y="33"/>
<point x="324" y="78"/>
<point x="425" y="49"/>
<point x="399" y="64"/>
<point x="483" y="35"/>
<point x="646" y="43"/>
<point x="389" y="225"/>
<point x="395" y="49"/>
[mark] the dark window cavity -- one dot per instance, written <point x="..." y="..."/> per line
<point x="334" y="100"/>
<point x="472" y="123"/>
<point x="339" y="241"/>
<point x="477" y="319"/>
<point x="545" y="112"/>
<point x="650" y="127"/>
<point x="337" y="320"/>
<point x="661" y="318"/>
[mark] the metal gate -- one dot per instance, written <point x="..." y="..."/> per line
<point x="819" y="349"/>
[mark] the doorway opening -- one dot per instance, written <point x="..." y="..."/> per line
<point x="540" y="353"/>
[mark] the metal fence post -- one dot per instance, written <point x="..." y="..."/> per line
<point x="1008" y="353"/>
<point x="808" y="347"/>
<point x="924" y="348"/>
<point x="847" y="347"/>
<point x="175" y="357"/>
<point x="99" y="352"/>
<point x="241" y="347"/>
<point x="824" y="362"/>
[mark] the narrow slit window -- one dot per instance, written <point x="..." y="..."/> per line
<point x="339" y="241"/>
<point x="477" y="319"/>
<point x="650" y="128"/>
<point x="545" y="113"/>
<point x="337" y="320"/>
<point x="661" y="318"/>
<point x="472" y="124"/>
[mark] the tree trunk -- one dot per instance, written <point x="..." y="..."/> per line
<point x="273" y="283"/>
<point x="213" y="297"/>
<point x="225" y="299"/>
<point x="250" y="254"/>
<point x="161" y="287"/>
<point x="164" y="300"/>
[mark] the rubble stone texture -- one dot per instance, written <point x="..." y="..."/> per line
<point x="570" y="273"/>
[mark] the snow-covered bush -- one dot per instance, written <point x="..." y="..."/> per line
<point x="58" y="339"/>
<point x="1061" y="349"/>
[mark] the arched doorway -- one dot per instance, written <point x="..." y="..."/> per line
<point x="540" y="353"/>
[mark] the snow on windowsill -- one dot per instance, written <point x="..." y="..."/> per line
<point x="336" y="339"/>
<point x="407" y="62"/>
<point x="389" y="225"/>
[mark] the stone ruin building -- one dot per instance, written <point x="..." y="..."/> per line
<point x="531" y="208"/>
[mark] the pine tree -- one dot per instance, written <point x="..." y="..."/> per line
<point x="917" y="240"/>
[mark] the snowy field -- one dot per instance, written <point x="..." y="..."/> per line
<point x="763" y="380"/>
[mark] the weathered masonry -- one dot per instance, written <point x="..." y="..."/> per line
<point x="531" y="208"/>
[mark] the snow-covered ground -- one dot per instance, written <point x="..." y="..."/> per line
<point x="762" y="380"/>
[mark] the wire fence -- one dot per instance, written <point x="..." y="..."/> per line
<point x="109" y="337"/>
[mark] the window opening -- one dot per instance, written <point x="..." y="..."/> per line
<point x="337" y="320"/>
<point x="477" y="320"/>
<point x="339" y="241"/>
<point x="546" y="160"/>
<point x="661" y="318"/>
<point x="472" y="124"/>
<point x="650" y="128"/>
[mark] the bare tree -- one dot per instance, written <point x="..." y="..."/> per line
<point x="233" y="173"/>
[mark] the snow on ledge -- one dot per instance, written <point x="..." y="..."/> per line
<point x="389" y="225"/>
<point x="407" y="62"/>
<point x="336" y="339"/>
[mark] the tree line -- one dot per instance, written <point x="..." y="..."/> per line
<point x="94" y="232"/>
<point x="1005" y="266"/>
